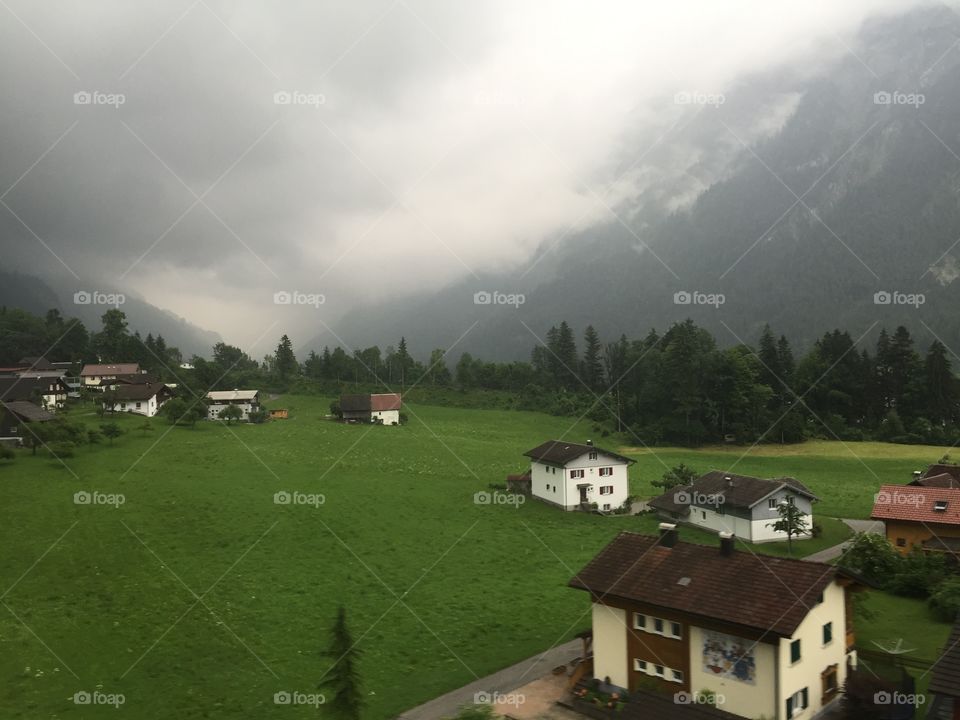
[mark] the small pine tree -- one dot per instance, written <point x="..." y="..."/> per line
<point x="342" y="680"/>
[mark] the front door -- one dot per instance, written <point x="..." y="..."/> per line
<point x="583" y="494"/>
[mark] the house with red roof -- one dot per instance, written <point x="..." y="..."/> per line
<point x="380" y="408"/>
<point x="926" y="517"/>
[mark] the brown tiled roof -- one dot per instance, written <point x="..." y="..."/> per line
<point x="916" y="504"/>
<point x="140" y="391"/>
<point x="764" y="593"/>
<point x="27" y="410"/>
<point x="943" y="480"/>
<point x="385" y="401"/>
<point x="946" y="671"/>
<point x="355" y="403"/>
<point x="745" y="490"/>
<point x="667" y="502"/>
<point x="560" y="452"/>
<point x="24" y="388"/>
<point x="940" y="468"/>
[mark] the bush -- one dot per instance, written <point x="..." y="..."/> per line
<point x="7" y="453"/>
<point x="918" y="574"/>
<point x="61" y="449"/>
<point x="259" y="416"/>
<point x="872" y="556"/>
<point x="944" y="603"/>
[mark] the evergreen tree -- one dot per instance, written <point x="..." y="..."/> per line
<point x="940" y="386"/>
<point x="285" y="363"/>
<point x="592" y="368"/>
<point x="343" y="680"/>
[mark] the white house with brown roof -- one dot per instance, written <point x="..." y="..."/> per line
<point x="247" y="400"/>
<point x="141" y="398"/>
<point x="381" y="408"/>
<point x="773" y="637"/>
<point x="575" y="476"/>
<point x="92" y="375"/>
<point x="742" y="505"/>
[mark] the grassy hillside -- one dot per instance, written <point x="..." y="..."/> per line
<point x="200" y="597"/>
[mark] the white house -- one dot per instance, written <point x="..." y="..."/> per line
<point x="739" y="504"/>
<point x="92" y="375"/>
<point x="247" y="400"/>
<point x="772" y="636"/>
<point x="143" y="399"/>
<point x="50" y="392"/>
<point x="382" y="408"/>
<point x="575" y="476"/>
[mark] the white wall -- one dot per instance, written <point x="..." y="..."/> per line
<point x="544" y="476"/>
<point x="750" y="530"/>
<point x="148" y="408"/>
<point x="610" y="644"/>
<point x="740" y="698"/>
<point x="387" y="417"/>
<point x="213" y="411"/>
<point x="567" y="494"/>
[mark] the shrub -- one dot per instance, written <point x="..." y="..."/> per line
<point x="6" y="453"/>
<point x="918" y="574"/>
<point x="944" y="603"/>
<point x="61" y="449"/>
<point x="872" y="556"/>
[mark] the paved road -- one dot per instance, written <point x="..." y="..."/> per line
<point x="503" y="681"/>
<point x="869" y="526"/>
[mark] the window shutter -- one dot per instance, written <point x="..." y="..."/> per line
<point x="806" y="701"/>
<point x="789" y="707"/>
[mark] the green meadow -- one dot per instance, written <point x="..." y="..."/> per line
<point x="201" y="597"/>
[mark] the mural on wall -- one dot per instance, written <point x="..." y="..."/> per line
<point x="729" y="657"/>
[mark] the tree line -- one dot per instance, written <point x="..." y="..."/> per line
<point x="678" y="387"/>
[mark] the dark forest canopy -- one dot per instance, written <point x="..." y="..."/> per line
<point x="676" y="387"/>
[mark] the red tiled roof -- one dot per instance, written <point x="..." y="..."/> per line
<point x="385" y="401"/>
<point x="916" y="504"/>
<point x="115" y="369"/>
<point x="765" y="593"/>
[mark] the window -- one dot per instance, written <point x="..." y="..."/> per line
<point x="606" y="489"/>
<point x="828" y="633"/>
<point x="677" y="676"/>
<point x="795" y="651"/>
<point x="658" y="670"/>
<point x="606" y="506"/>
<point x="901" y="542"/>
<point x="640" y="665"/>
<point x="703" y="514"/>
<point x="593" y="455"/>
<point x="796" y="703"/>
<point x="639" y="621"/>
<point x="789" y="499"/>
<point x="658" y="625"/>
<point x="606" y="472"/>
<point x="554" y="488"/>
<point x="938" y="506"/>
<point x="772" y="503"/>
<point x="138" y="406"/>
<point x="675" y="629"/>
<point x="574" y="474"/>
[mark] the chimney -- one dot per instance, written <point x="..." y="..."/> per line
<point x="668" y="535"/>
<point x="726" y="544"/>
<point x="590" y="443"/>
<point x="917" y="474"/>
<point x="728" y="480"/>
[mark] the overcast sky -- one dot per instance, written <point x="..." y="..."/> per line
<point x="423" y="141"/>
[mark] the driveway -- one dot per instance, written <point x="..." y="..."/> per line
<point x="860" y="526"/>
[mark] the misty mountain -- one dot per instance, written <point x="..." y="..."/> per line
<point x="805" y="201"/>
<point x="37" y="296"/>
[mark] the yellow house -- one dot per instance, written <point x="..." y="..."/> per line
<point x="767" y="637"/>
<point x="926" y="517"/>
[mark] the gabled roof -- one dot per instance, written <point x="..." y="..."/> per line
<point x="27" y="410"/>
<point x="355" y="403"/>
<point x="560" y="452"/>
<point x="766" y="594"/>
<point x="941" y="480"/>
<point x="36" y="363"/>
<point x="745" y="490"/>
<point x="221" y="396"/>
<point x="940" y="468"/>
<point x="26" y="388"/>
<point x="668" y="501"/>
<point x="946" y="671"/>
<point x="385" y="401"/>
<point x="140" y="391"/>
<point x="917" y="504"/>
<point x="115" y="369"/>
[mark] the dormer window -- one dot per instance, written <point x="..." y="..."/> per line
<point x="940" y="506"/>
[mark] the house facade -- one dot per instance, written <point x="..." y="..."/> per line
<point x="247" y="400"/>
<point x="918" y="516"/>
<point x="143" y="399"/>
<point x="745" y="506"/>
<point x="575" y="476"/>
<point x="49" y="391"/>
<point x="381" y="408"/>
<point x="92" y="375"/>
<point x="15" y="414"/>
<point x="772" y="636"/>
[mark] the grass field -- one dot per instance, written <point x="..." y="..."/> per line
<point x="200" y="597"/>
